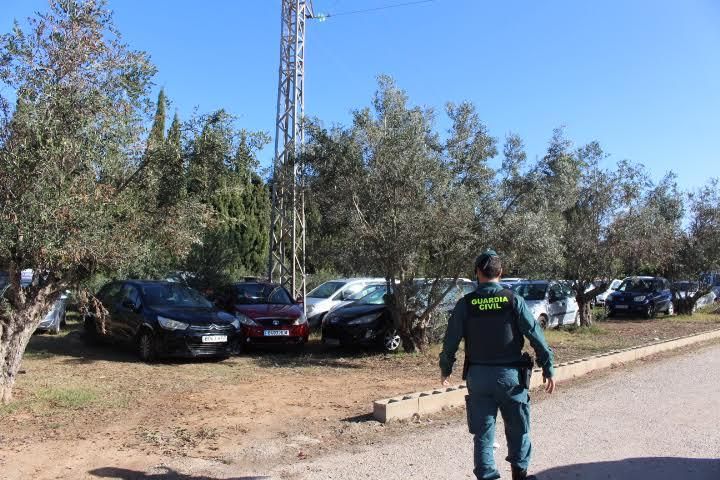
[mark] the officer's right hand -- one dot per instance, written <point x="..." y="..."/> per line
<point x="549" y="384"/>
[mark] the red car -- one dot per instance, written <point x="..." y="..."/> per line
<point x="267" y="313"/>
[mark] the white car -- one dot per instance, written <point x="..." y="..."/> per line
<point x="614" y="285"/>
<point x="324" y="297"/>
<point x="551" y="303"/>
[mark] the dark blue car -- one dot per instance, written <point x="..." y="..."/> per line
<point x="645" y="296"/>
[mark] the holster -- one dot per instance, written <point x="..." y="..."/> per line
<point x="526" y="370"/>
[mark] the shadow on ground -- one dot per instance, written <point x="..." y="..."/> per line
<point x="168" y="474"/>
<point x="661" y="468"/>
<point x="73" y="344"/>
<point x="315" y="354"/>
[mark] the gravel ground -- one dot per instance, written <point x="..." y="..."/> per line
<point x="658" y="421"/>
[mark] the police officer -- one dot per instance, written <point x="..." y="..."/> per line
<point x="493" y="322"/>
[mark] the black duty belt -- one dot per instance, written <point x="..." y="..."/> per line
<point x="525" y="365"/>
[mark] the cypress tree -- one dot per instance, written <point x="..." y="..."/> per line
<point x="156" y="139"/>
<point x="173" y="185"/>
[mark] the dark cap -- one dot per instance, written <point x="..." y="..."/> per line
<point x="482" y="259"/>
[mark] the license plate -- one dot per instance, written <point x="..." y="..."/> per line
<point x="621" y="307"/>
<point x="214" y="338"/>
<point x="277" y="333"/>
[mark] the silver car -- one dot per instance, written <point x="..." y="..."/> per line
<point x="54" y="320"/>
<point x="330" y="294"/>
<point x="551" y="303"/>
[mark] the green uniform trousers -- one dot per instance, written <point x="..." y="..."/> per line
<point x="490" y="389"/>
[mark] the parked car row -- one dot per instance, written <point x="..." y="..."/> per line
<point x="168" y="318"/>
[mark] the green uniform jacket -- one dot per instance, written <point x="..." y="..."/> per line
<point x="526" y="322"/>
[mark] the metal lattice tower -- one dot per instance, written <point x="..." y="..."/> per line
<point x="286" y="263"/>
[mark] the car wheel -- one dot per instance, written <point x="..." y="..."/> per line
<point x="147" y="350"/>
<point x="236" y="348"/>
<point x="55" y="328"/>
<point x="543" y="321"/>
<point x="90" y="332"/>
<point x="391" y="340"/>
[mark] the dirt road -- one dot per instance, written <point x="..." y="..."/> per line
<point x="659" y="422"/>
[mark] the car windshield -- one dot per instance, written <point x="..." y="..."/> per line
<point x="364" y="292"/>
<point x="615" y="284"/>
<point x="262" y="294"/>
<point x="531" y="291"/>
<point x="326" y="290"/>
<point x="173" y="295"/>
<point x="636" y="285"/>
<point x="376" y="297"/>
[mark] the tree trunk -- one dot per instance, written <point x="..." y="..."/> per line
<point x="586" y="314"/>
<point x="406" y="331"/>
<point x="15" y="333"/>
<point x="16" y="327"/>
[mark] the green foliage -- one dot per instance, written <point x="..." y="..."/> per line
<point x="222" y="163"/>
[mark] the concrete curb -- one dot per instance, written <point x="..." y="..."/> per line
<point x="423" y="403"/>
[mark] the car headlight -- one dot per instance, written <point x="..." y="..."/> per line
<point x="365" y="319"/>
<point x="301" y="321"/>
<point x="639" y="299"/>
<point x="170" y="324"/>
<point x="245" y="320"/>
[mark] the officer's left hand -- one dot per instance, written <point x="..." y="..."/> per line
<point x="444" y="381"/>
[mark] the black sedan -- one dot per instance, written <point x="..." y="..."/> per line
<point x="162" y="319"/>
<point x="366" y="322"/>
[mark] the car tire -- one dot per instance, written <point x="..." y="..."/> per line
<point x="543" y="321"/>
<point x="55" y="328"/>
<point x="236" y="348"/>
<point x="146" y="346"/>
<point x="391" y="341"/>
<point x="90" y="332"/>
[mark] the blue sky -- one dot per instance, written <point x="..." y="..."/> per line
<point x="640" y="76"/>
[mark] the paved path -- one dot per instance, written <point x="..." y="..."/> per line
<point x="660" y="421"/>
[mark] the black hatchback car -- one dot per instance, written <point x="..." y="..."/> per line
<point x="163" y="319"/>
<point x="365" y="322"/>
<point x="368" y="321"/>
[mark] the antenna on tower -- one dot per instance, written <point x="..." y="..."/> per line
<point x="286" y="262"/>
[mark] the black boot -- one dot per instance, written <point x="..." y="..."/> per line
<point x="518" y="474"/>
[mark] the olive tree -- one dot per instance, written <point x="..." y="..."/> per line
<point x="699" y="244"/>
<point x="71" y="139"/>
<point x="402" y="200"/>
